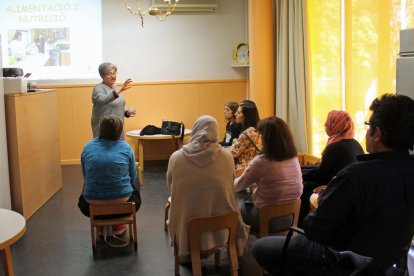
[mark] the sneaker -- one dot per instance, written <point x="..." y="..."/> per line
<point x="119" y="230"/>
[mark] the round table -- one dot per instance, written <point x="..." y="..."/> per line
<point x="12" y="228"/>
<point x="136" y="134"/>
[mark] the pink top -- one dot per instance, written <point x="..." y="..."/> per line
<point x="272" y="181"/>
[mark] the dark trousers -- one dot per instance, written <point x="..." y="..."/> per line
<point x="135" y="197"/>
<point x="308" y="187"/>
<point x="304" y="257"/>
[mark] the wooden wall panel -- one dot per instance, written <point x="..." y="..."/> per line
<point x="178" y="101"/>
<point x="66" y="134"/>
<point x="82" y="111"/>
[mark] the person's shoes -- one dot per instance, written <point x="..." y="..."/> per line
<point x="119" y="230"/>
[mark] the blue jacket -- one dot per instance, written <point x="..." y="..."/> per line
<point x="108" y="169"/>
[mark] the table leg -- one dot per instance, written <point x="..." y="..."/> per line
<point x="8" y="261"/>
<point x="141" y="154"/>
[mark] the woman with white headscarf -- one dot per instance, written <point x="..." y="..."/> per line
<point x="200" y="179"/>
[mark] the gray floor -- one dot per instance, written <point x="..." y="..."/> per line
<point x="57" y="239"/>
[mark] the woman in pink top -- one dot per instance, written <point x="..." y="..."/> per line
<point x="273" y="177"/>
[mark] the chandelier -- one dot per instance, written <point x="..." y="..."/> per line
<point x="153" y="10"/>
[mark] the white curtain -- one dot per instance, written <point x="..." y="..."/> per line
<point x="292" y="72"/>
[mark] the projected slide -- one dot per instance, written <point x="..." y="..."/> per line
<point x="52" y="39"/>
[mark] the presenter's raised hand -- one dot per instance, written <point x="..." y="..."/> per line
<point x="126" y="85"/>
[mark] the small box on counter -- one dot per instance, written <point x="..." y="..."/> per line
<point x="15" y="85"/>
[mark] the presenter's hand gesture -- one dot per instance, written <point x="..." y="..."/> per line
<point x="126" y="85"/>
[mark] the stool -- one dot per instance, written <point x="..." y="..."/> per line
<point x="113" y="214"/>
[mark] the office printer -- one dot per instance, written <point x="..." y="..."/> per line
<point x="14" y="81"/>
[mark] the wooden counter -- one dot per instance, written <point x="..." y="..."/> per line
<point x="33" y="149"/>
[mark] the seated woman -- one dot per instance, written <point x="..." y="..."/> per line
<point x="274" y="176"/>
<point x="249" y="144"/>
<point x="340" y="151"/>
<point x="200" y="177"/>
<point x="109" y="169"/>
<point x="232" y="128"/>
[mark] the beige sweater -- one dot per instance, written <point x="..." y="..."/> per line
<point x="198" y="191"/>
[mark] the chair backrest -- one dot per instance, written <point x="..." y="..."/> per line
<point x="307" y="159"/>
<point x="199" y="225"/>
<point x="273" y="211"/>
<point x="112" y="209"/>
<point x="238" y="172"/>
<point x="113" y="214"/>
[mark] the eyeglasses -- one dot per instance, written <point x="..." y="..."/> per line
<point x="367" y="124"/>
<point x="110" y="74"/>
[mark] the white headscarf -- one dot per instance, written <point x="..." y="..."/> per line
<point x="203" y="146"/>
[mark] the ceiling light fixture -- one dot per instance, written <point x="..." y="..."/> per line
<point x="153" y="10"/>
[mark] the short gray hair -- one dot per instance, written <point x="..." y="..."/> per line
<point x="105" y="67"/>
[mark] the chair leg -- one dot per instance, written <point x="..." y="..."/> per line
<point x="176" y="259"/>
<point x="130" y="233"/>
<point x="167" y="209"/>
<point x="217" y="259"/>
<point x="233" y="261"/>
<point x="134" y="227"/>
<point x="93" y="229"/>
<point x="196" y="262"/>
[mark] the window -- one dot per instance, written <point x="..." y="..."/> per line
<point x="353" y="46"/>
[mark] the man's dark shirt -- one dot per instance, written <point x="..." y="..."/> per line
<point x="368" y="208"/>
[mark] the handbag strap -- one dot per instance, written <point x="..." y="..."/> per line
<point x="251" y="141"/>
<point x="182" y="131"/>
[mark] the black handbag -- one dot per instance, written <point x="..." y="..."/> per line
<point x="150" y="130"/>
<point x="172" y="128"/>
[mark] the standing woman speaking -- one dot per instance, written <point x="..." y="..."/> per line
<point x="107" y="98"/>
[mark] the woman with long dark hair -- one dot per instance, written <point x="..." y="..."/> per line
<point x="273" y="177"/>
<point x="249" y="144"/>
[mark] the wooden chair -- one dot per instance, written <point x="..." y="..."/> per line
<point x="166" y="210"/>
<point x="139" y="171"/>
<point x="199" y="225"/>
<point x="273" y="211"/>
<point x="113" y="214"/>
<point x="238" y="172"/>
<point x="308" y="159"/>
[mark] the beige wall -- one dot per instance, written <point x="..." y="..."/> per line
<point x="178" y="101"/>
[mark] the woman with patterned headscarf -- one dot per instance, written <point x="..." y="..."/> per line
<point x="200" y="179"/>
<point x="340" y="151"/>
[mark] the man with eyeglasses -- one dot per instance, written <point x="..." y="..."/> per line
<point x="368" y="208"/>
